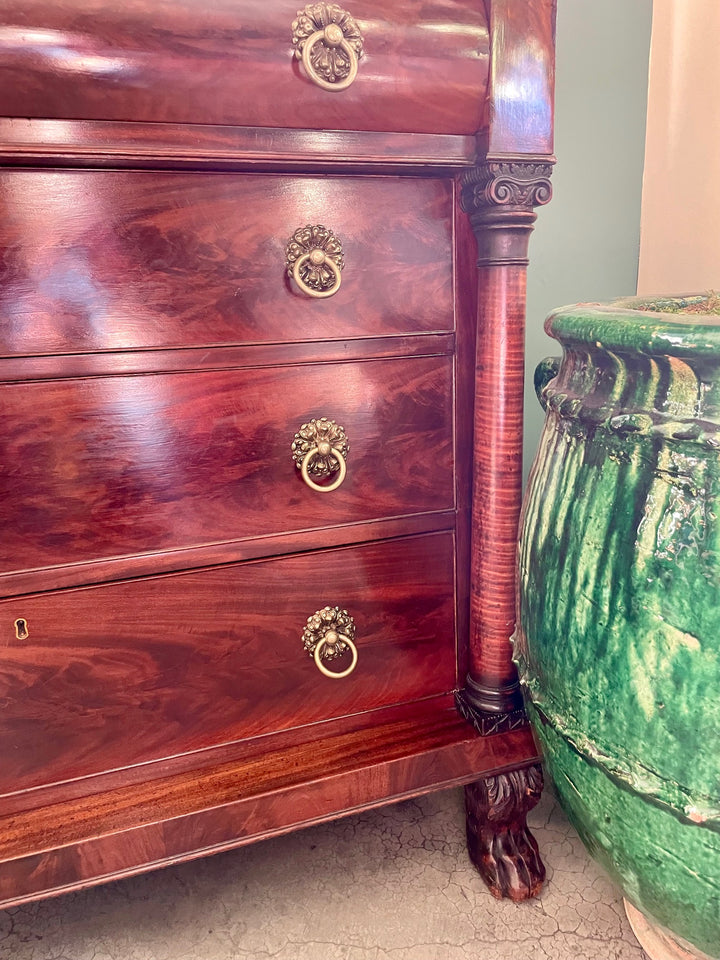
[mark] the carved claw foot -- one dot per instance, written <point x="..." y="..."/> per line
<point x="499" y="842"/>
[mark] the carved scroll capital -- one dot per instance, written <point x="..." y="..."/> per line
<point x="500" y="197"/>
<point x="506" y="183"/>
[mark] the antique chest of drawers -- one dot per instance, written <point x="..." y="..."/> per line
<point x="260" y="417"/>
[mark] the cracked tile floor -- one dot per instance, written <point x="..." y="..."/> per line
<point x="390" y="884"/>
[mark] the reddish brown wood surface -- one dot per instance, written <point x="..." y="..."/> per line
<point x="178" y="360"/>
<point x="79" y="143"/>
<point x="497" y="479"/>
<point x="128" y="830"/>
<point x="231" y="62"/>
<point x="500" y="198"/>
<point x="109" y="467"/>
<point x="169" y="363"/>
<point x="234" y="754"/>
<point x="521" y="85"/>
<point x="499" y="843"/>
<point x="465" y="318"/>
<point x="127" y="673"/>
<point x="63" y="576"/>
<point x="107" y="260"/>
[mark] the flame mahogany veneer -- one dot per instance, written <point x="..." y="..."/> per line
<point x="161" y="553"/>
<point x="135" y="260"/>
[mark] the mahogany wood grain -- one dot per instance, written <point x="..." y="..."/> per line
<point x="88" y="143"/>
<point x="178" y="360"/>
<point x="123" y="674"/>
<point x="62" y="576"/>
<point x="159" y="541"/>
<point x="233" y="754"/>
<point x="500" y="199"/>
<point x="519" y="119"/>
<point x="465" y="322"/>
<point x="497" y="481"/>
<point x="130" y="830"/>
<point x="154" y="259"/>
<point x="109" y="467"/>
<point x="231" y="62"/>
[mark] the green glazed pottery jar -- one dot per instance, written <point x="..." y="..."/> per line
<point x="618" y="643"/>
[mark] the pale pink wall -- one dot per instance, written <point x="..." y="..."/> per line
<point x="680" y="219"/>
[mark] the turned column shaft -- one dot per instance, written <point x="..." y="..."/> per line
<point x="497" y="476"/>
<point x="499" y="196"/>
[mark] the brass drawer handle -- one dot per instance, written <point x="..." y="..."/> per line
<point x="314" y="259"/>
<point x="328" y="634"/>
<point x="319" y="449"/>
<point x="328" y="42"/>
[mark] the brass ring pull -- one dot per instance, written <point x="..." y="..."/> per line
<point x="323" y="450"/>
<point x="329" y="43"/>
<point x="320" y="449"/>
<point x="317" y="258"/>
<point x="314" y="259"/>
<point x="328" y="634"/>
<point x="332" y="37"/>
<point x="329" y="640"/>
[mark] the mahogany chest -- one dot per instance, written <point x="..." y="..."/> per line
<point x="261" y="341"/>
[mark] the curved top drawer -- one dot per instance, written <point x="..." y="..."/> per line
<point x="423" y="66"/>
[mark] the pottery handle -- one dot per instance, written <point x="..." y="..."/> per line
<point x="545" y="371"/>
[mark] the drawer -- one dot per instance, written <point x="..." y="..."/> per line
<point x="118" y="466"/>
<point x="122" y="674"/>
<point x="120" y="260"/>
<point x="423" y="68"/>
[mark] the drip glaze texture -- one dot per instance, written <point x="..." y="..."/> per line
<point x="620" y="601"/>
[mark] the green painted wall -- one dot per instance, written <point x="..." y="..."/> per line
<point x="586" y="242"/>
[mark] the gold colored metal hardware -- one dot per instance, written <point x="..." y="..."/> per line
<point x="317" y="259"/>
<point x="21" y="629"/>
<point x="314" y="259"/>
<point x="328" y="634"/>
<point x="309" y="458"/>
<point x="328" y="42"/>
<point x="319" y="449"/>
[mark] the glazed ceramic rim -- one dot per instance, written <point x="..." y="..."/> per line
<point x="642" y="303"/>
<point x="623" y="326"/>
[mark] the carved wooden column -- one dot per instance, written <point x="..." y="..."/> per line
<point x="500" y="197"/>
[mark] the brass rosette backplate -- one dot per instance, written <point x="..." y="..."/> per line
<point x="328" y="42"/>
<point x="329" y="620"/>
<point x="320" y="435"/>
<point x="314" y="259"/>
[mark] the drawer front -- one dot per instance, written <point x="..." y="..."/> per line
<point x="110" y="260"/>
<point x="424" y="65"/>
<point x="116" y="466"/>
<point x="121" y="674"/>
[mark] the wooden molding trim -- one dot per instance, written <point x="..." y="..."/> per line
<point x="93" y="143"/>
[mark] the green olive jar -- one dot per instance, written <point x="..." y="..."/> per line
<point x="618" y="638"/>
